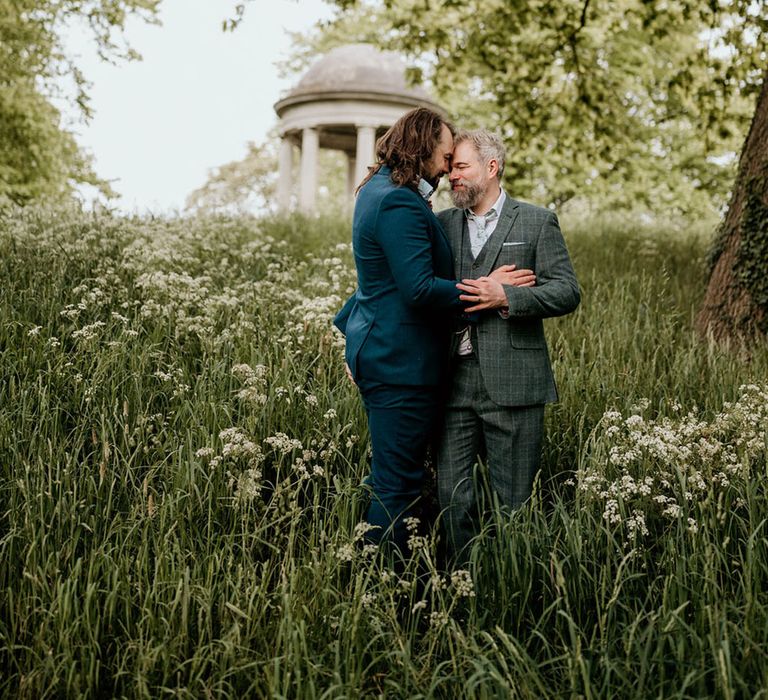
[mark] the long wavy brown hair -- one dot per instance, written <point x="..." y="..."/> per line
<point x="407" y="146"/>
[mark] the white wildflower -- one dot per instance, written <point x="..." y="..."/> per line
<point x="411" y="524"/>
<point x="416" y="542"/>
<point x="361" y="529"/>
<point x="636" y="524"/>
<point x="345" y="552"/>
<point x="282" y="443"/>
<point x="611" y="512"/>
<point x="462" y="583"/>
<point x="438" y="619"/>
<point x="249" y="485"/>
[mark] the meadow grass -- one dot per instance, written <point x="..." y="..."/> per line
<point x="181" y="459"/>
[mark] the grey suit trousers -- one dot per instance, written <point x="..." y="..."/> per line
<point x="506" y="438"/>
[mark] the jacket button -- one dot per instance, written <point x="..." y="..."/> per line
<point x="475" y="266"/>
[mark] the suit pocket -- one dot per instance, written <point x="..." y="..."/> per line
<point x="527" y="335"/>
<point x="518" y="254"/>
<point x="527" y="341"/>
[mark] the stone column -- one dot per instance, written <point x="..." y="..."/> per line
<point x="351" y="173"/>
<point x="310" y="146"/>
<point x="366" y="143"/>
<point x="284" y="184"/>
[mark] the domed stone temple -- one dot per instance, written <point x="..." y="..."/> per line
<point x="345" y="101"/>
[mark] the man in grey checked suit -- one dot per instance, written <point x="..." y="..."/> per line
<point x="501" y="374"/>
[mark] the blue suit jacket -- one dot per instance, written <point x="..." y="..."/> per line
<point x="398" y="321"/>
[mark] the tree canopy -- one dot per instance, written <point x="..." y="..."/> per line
<point x="39" y="157"/>
<point x="637" y="104"/>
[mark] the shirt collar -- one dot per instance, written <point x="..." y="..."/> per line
<point x="492" y="213"/>
<point x="425" y="189"/>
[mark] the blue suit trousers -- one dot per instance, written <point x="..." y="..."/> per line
<point x="403" y="422"/>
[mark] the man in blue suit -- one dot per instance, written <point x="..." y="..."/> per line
<point x="398" y="323"/>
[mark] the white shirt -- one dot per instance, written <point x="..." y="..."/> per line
<point x="482" y="227"/>
<point x="480" y="230"/>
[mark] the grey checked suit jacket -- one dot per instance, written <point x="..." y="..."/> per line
<point x="512" y="352"/>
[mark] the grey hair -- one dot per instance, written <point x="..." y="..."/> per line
<point x="488" y="145"/>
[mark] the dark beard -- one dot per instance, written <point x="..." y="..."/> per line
<point x="468" y="197"/>
<point x="434" y="181"/>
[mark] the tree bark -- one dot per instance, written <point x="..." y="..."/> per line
<point x="735" y="305"/>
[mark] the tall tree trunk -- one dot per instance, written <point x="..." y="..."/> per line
<point x="736" y="302"/>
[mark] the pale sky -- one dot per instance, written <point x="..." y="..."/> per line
<point x="195" y="100"/>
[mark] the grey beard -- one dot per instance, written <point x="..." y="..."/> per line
<point x="468" y="197"/>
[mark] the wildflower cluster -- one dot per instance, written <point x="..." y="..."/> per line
<point x="243" y="458"/>
<point x="357" y="546"/>
<point x="668" y="469"/>
<point x="247" y="460"/>
<point x="222" y="282"/>
<point x="254" y="381"/>
<point x="173" y="382"/>
<point x="416" y="541"/>
<point x="418" y="586"/>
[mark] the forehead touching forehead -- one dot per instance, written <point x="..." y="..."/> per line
<point x="444" y="148"/>
<point x="481" y="145"/>
<point x="446" y="140"/>
<point x="465" y="152"/>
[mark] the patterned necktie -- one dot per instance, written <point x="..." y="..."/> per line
<point x="481" y="224"/>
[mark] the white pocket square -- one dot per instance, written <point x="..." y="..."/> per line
<point x="513" y="243"/>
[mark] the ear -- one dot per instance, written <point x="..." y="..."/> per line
<point x="493" y="168"/>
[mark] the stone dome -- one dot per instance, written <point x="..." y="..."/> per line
<point x="356" y="70"/>
<point x="344" y="102"/>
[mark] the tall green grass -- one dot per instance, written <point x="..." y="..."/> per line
<point x="170" y="526"/>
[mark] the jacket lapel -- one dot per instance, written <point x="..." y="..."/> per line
<point x="455" y="232"/>
<point x="439" y="226"/>
<point x="431" y="215"/>
<point x="493" y="246"/>
<point x="386" y="172"/>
